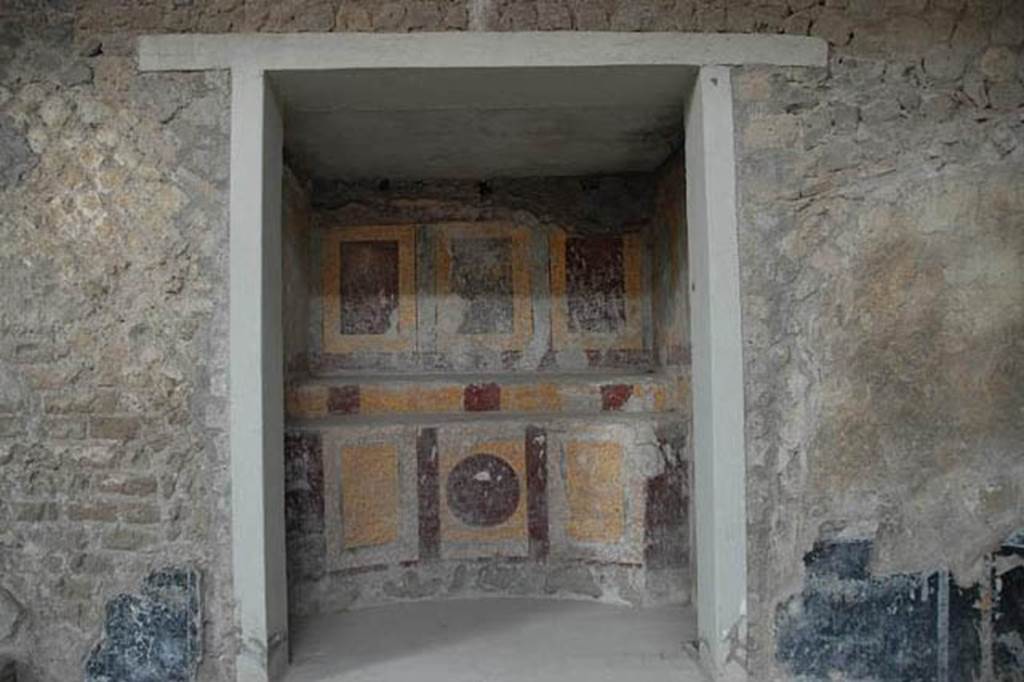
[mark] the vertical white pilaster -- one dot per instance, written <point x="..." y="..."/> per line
<point x="257" y="457"/>
<point x="718" y="408"/>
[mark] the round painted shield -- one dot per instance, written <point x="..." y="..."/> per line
<point x="483" y="490"/>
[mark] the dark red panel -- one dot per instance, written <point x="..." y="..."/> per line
<point x="666" y="535"/>
<point x="595" y="284"/>
<point x="537" y="492"/>
<point x="614" y="396"/>
<point x="482" y="398"/>
<point x="429" y="494"/>
<point x="369" y="286"/>
<point x="304" y="483"/>
<point x="343" y="400"/>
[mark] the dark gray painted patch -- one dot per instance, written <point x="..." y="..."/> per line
<point x="847" y="622"/>
<point x="845" y="560"/>
<point x="152" y="637"/>
<point x="964" y="653"/>
<point x="1015" y="541"/>
<point x="850" y="624"/>
<point x="1008" y="616"/>
<point x="16" y="157"/>
<point x="8" y="670"/>
<point x="482" y="277"/>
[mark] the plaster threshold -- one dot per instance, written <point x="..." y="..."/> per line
<point x="498" y="640"/>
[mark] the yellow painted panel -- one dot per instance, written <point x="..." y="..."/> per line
<point x="594" y="491"/>
<point x="369" y="494"/>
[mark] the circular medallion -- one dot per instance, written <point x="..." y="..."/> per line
<point x="483" y="490"/>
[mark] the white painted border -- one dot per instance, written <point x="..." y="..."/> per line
<point x="257" y="469"/>
<point x="717" y="350"/>
<point x="256" y="379"/>
<point x="317" y="51"/>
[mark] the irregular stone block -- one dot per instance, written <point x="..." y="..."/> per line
<point x="10" y="614"/>
<point x="412" y="587"/>
<point x="16" y="156"/>
<point x="574" y="580"/>
<point x="494" y="577"/>
<point x="8" y="670"/>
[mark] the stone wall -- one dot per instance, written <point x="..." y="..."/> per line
<point x="882" y="264"/>
<point x="113" y="347"/>
<point x="880" y="228"/>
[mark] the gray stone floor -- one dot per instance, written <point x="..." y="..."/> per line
<point x="497" y="640"/>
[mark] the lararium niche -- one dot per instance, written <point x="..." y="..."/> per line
<point x="486" y="351"/>
<point x="485" y="108"/>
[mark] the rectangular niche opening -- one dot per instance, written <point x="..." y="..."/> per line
<point x="487" y="371"/>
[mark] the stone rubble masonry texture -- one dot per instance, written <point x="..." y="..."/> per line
<point x="880" y="232"/>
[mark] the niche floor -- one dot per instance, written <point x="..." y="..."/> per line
<point x="497" y="640"/>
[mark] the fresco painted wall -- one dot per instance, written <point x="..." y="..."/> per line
<point x="481" y="415"/>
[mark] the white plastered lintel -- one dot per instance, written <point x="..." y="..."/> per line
<point x="322" y="51"/>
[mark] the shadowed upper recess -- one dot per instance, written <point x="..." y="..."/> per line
<point x="481" y="123"/>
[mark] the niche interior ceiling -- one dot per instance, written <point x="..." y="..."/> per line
<point x="482" y="123"/>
